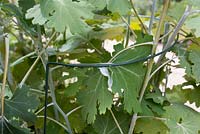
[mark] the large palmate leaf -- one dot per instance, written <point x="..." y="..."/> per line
<point x="11" y="127"/>
<point x="156" y="97"/>
<point x="193" y="24"/>
<point x="178" y="94"/>
<point x="150" y="126"/>
<point x="129" y="77"/>
<point x="74" y="87"/>
<point x="120" y="6"/>
<point x="36" y="14"/>
<point x="189" y="60"/>
<point x="62" y="14"/>
<point x="22" y="105"/>
<point x="105" y="124"/>
<point x="181" y="119"/>
<point x="96" y="95"/>
<point x="177" y="10"/>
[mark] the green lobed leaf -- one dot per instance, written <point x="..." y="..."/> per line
<point x="180" y="95"/>
<point x="11" y="128"/>
<point x="156" y="96"/>
<point x="71" y="44"/>
<point x="150" y="126"/>
<point x="194" y="58"/>
<point x="22" y="105"/>
<point x="35" y="13"/>
<point x="181" y="119"/>
<point x="74" y="87"/>
<point x="151" y="108"/>
<point x="129" y="77"/>
<point x="193" y="95"/>
<point x="98" y="4"/>
<point x="64" y="14"/>
<point x="177" y="10"/>
<point x="119" y="6"/>
<point x="53" y="128"/>
<point x="193" y="24"/>
<point x="105" y="124"/>
<point x="176" y="95"/>
<point x="96" y="95"/>
<point x="181" y="51"/>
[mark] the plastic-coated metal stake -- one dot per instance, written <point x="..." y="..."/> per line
<point x="46" y="96"/>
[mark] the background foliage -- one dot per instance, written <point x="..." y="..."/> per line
<point x="125" y="99"/>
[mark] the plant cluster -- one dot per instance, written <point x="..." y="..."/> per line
<point x="126" y="99"/>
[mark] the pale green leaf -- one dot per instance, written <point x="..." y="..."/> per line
<point x="98" y="4"/>
<point x="194" y="3"/>
<point x="116" y="6"/>
<point x="36" y="14"/>
<point x="177" y="10"/>
<point x="71" y="44"/>
<point x="64" y="14"/>
<point x="120" y="6"/>
<point x="156" y="96"/>
<point x="193" y="24"/>
<point x="181" y="119"/>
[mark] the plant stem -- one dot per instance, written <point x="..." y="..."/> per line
<point x="136" y="14"/>
<point x="116" y="122"/>
<point x="40" y="110"/>
<point x="176" y="30"/>
<point x="157" y="69"/>
<point x="4" y="79"/>
<point x="73" y="110"/>
<point x="127" y="33"/>
<point x="57" y="122"/>
<point x="51" y="87"/>
<point x="132" y="46"/>
<point x="21" y="59"/>
<point x="150" y="65"/>
<point x="128" y="25"/>
<point x="53" y="96"/>
<point x="28" y="72"/>
<point x="152" y="16"/>
<point x="157" y="118"/>
<point x="36" y="61"/>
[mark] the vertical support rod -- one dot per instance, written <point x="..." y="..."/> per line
<point x="46" y="96"/>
